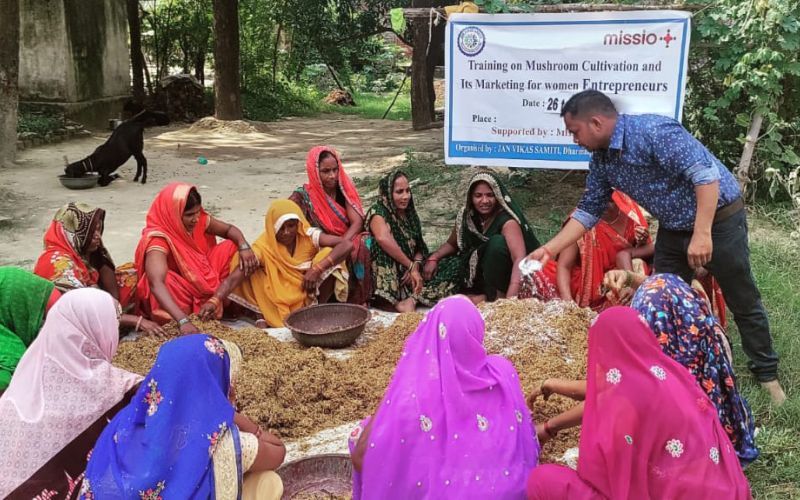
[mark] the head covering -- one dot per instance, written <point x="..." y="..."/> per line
<point x="453" y="422"/>
<point x="279" y="290"/>
<point x="689" y="333"/>
<point x="66" y="242"/>
<point x="470" y="236"/>
<point x="331" y="216"/>
<point x="63" y="384"/>
<point x="407" y="230"/>
<point x="164" y="440"/>
<point x="23" y="297"/>
<point x="190" y="250"/>
<point x="648" y="431"/>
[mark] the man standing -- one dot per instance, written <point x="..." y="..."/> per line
<point x="702" y="221"/>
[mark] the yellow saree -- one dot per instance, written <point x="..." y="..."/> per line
<point x="277" y="286"/>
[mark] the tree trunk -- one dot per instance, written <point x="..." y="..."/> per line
<point x="422" y="94"/>
<point x="743" y="170"/>
<point x="135" y="27"/>
<point x="227" y="93"/>
<point x="9" y="80"/>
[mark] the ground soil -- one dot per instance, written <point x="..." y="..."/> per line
<point x="249" y="165"/>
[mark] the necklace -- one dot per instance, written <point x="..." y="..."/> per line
<point x="611" y="223"/>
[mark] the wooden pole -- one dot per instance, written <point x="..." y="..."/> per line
<point x="743" y="170"/>
<point x="402" y="84"/>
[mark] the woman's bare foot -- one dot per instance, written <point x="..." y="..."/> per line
<point x="407" y="305"/>
<point x="477" y="299"/>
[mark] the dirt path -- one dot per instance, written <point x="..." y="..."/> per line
<point x="244" y="173"/>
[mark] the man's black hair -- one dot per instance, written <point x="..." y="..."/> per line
<point x="589" y="102"/>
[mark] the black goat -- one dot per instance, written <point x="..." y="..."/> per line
<point x="127" y="140"/>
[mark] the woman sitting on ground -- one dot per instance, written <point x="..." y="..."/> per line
<point x="182" y="268"/>
<point x="620" y="240"/>
<point x="680" y="318"/>
<point x="181" y="436"/>
<point x="62" y="395"/>
<point x="400" y="249"/>
<point x="453" y="422"/>
<point x="300" y="265"/>
<point x="648" y="430"/>
<point x="330" y="201"/>
<point x="24" y="301"/>
<point x="74" y="257"/>
<point x="491" y="237"/>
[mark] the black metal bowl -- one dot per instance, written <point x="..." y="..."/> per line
<point x="328" y="325"/>
<point x="329" y="473"/>
<point x="88" y="181"/>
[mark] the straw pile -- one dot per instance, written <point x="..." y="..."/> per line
<point x="296" y="392"/>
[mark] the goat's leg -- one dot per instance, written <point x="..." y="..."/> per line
<point x="141" y="167"/>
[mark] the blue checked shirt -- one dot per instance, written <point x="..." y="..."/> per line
<point x="658" y="163"/>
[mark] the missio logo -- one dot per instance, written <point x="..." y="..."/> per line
<point x="637" y="38"/>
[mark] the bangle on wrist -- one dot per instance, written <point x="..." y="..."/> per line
<point x="329" y="260"/>
<point x="138" y="324"/>
<point x="183" y="321"/>
<point x="244" y="246"/>
<point x="433" y="259"/>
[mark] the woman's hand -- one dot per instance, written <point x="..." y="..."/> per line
<point x="207" y="311"/>
<point x="248" y="262"/>
<point x="542" y="434"/>
<point x="311" y="279"/>
<point x="151" y="328"/>
<point x="188" y="329"/>
<point x="641" y="234"/>
<point x="429" y="270"/>
<point x="545" y="389"/>
<point x="619" y="286"/>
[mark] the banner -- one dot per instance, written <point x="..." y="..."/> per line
<point x="508" y="75"/>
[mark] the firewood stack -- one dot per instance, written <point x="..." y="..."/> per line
<point x="182" y="98"/>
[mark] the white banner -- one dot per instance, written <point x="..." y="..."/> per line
<point x="508" y="75"/>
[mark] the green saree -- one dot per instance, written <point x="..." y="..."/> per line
<point x="484" y="251"/>
<point x="23" y="297"/>
<point x="407" y="233"/>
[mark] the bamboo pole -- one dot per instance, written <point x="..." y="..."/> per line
<point x="743" y="170"/>
<point x="569" y="7"/>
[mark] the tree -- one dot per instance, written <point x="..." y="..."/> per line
<point x="9" y="80"/>
<point x="227" y="93"/>
<point x="137" y="59"/>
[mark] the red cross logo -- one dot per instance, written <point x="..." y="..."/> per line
<point x="668" y="38"/>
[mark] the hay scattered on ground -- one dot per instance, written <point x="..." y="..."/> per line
<point x="228" y="126"/>
<point x="296" y="392"/>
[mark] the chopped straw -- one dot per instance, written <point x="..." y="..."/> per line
<point x="296" y="392"/>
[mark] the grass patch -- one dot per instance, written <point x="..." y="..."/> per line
<point x="372" y="105"/>
<point x="548" y="197"/>
<point x="39" y="123"/>
<point x="776" y="474"/>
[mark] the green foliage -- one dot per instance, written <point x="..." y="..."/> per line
<point x="39" y="123"/>
<point x="269" y="102"/>
<point x="750" y="50"/>
<point x="372" y="105"/>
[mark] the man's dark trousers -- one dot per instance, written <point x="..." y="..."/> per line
<point x="730" y="265"/>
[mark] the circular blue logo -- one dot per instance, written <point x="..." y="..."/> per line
<point x="471" y="41"/>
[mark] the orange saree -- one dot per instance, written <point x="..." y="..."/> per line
<point x="197" y="265"/>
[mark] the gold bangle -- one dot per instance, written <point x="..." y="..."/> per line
<point x="328" y="258"/>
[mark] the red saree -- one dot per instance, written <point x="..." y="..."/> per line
<point x="197" y="265"/>
<point x="598" y="254"/>
<point x="65" y="243"/>
<point x="330" y="215"/>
